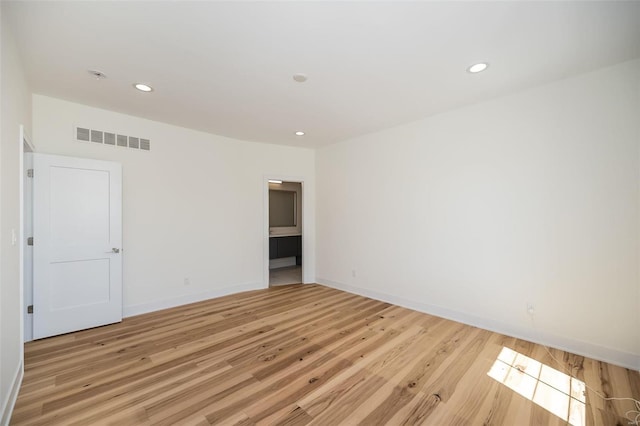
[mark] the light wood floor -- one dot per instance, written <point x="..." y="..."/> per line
<point x="303" y="354"/>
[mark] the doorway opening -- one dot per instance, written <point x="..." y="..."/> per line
<point x="285" y="233"/>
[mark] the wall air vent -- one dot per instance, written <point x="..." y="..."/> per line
<point x="145" y="144"/>
<point x="96" y="136"/>
<point x="122" y="140"/>
<point x="84" y="134"/>
<point x="109" y="138"/>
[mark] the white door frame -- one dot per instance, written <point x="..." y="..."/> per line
<point x="26" y="262"/>
<point x="305" y="226"/>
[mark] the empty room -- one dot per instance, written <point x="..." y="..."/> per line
<point x="320" y="213"/>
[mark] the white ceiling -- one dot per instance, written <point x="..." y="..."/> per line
<point x="227" y="67"/>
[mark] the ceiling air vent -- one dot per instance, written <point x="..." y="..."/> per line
<point x="84" y="134"/>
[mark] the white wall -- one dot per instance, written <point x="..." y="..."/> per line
<point x="193" y="207"/>
<point x="473" y="213"/>
<point x="16" y="111"/>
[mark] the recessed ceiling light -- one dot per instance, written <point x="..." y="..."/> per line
<point x="143" y="87"/>
<point x="479" y="67"/>
<point x="299" y="133"/>
<point x="300" y="78"/>
<point x="99" y="75"/>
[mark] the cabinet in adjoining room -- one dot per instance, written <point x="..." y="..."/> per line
<point x="280" y="247"/>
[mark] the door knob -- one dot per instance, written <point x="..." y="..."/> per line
<point x="113" y="250"/>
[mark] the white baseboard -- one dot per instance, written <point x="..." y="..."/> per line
<point x="156" y="305"/>
<point x="612" y="356"/>
<point x="10" y="401"/>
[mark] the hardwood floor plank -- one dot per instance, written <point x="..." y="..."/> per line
<point x="290" y="416"/>
<point x="128" y="403"/>
<point x="306" y="354"/>
<point x="380" y="341"/>
<point x="299" y="377"/>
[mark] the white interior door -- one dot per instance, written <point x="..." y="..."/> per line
<point x="77" y="230"/>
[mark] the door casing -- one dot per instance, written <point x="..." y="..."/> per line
<point x="265" y="227"/>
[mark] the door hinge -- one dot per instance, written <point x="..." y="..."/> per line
<point x="29" y="172"/>
<point x="30" y="309"/>
<point x="30" y="241"/>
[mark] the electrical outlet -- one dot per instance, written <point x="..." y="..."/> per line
<point x="530" y="308"/>
<point x="187" y="281"/>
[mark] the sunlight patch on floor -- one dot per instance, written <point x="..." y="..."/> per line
<point x="547" y="387"/>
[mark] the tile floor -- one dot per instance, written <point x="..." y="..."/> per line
<point x="286" y="275"/>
